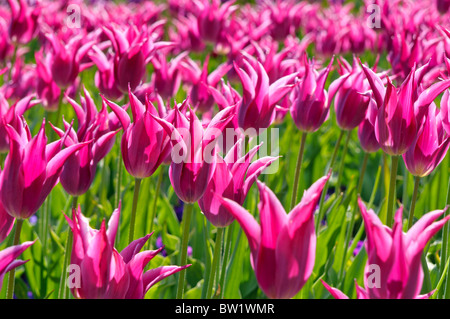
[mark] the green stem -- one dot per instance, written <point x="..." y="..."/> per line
<point x="298" y="169"/>
<point x="413" y="201"/>
<point x="426" y="273"/>
<point x="137" y="186"/>
<point x="375" y="186"/>
<point x="444" y="252"/>
<point x="155" y="199"/>
<point x="216" y="257"/>
<point x="342" y="165"/>
<point x="325" y="188"/>
<point x="392" y="183"/>
<point x="369" y="205"/>
<point x="45" y="233"/>
<point x="352" y="221"/>
<point x="226" y="256"/>
<point x="12" y="272"/>
<point x="187" y="214"/>
<point x="119" y="173"/>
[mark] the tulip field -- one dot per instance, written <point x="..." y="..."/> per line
<point x="213" y="149"/>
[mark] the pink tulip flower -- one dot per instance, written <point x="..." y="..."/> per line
<point x="430" y="145"/>
<point x="366" y="130"/>
<point x="225" y="97"/>
<point x="396" y="254"/>
<point x="283" y="246"/>
<point x="232" y="179"/>
<point x="11" y="116"/>
<point x="95" y="128"/>
<point x="166" y="77"/>
<point x="145" y="144"/>
<point x="8" y="258"/>
<point x="400" y="111"/>
<point x="133" y="49"/>
<point x="105" y="79"/>
<point x="23" y="21"/>
<point x="445" y="111"/>
<point x="186" y="36"/>
<point x="46" y="88"/>
<point x="350" y="102"/>
<point x="106" y="273"/>
<point x="199" y="94"/>
<point x="32" y="169"/>
<point x="193" y="150"/>
<point x="310" y="107"/>
<point x="213" y="18"/>
<point x="257" y="109"/>
<point x="67" y="57"/>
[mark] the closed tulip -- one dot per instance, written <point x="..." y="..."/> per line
<point x="282" y="246"/>
<point x="106" y="273"/>
<point x="66" y="62"/>
<point x="23" y="21"/>
<point x="257" y="109"/>
<point x="95" y="128"/>
<point x="191" y="170"/>
<point x="310" y="107"/>
<point x="366" y="129"/>
<point x="350" y="102"/>
<point x="145" y="144"/>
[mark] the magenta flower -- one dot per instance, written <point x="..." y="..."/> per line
<point x="366" y="130"/>
<point x="430" y="145"/>
<point x="105" y="79"/>
<point x="194" y="150"/>
<point x="225" y="97"/>
<point x="283" y="246"/>
<point x="23" y="21"/>
<point x="199" y="93"/>
<point x="145" y="144"/>
<point x="8" y="258"/>
<point x="232" y="179"/>
<point x="400" y="111"/>
<point x="166" y="77"/>
<point x="257" y="109"/>
<point x="397" y="255"/>
<point x="66" y="61"/>
<point x="350" y="102"/>
<point x="133" y="49"/>
<point x="11" y="116"/>
<point x="95" y="128"/>
<point x="32" y="169"/>
<point x="445" y="110"/>
<point x="213" y="18"/>
<point x="186" y="35"/>
<point x="46" y="88"/>
<point x="310" y="107"/>
<point x="106" y="273"/>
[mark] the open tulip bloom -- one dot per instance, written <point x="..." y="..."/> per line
<point x="282" y="245"/>
<point x="206" y="121"/>
<point x="32" y="169"/>
<point x="396" y="255"/>
<point x="106" y="273"/>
